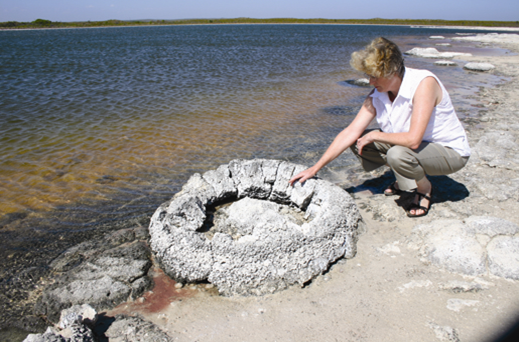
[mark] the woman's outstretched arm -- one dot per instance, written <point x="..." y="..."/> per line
<point x="343" y="141"/>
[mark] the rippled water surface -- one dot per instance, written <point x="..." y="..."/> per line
<point x="114" y="115"/>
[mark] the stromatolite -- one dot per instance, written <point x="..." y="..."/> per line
<point x="243" y="228"/>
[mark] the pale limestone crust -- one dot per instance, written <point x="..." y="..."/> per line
<point x="479" y="66"/>
<point x="433" y="53"/>
<point x="458" y="246"/>
<point x="271" y="236"/>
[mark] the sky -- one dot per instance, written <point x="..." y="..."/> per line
<point x="94" y="10"/>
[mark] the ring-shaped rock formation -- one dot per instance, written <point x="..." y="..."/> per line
<point x="243" y="228"/>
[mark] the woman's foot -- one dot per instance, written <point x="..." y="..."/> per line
<point x="393" y="189"/>
<point x="422" y="200"/>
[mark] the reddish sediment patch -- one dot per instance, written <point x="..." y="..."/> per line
<point x="157" y="299"/>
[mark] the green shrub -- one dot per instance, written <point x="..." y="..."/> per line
<point x="9" y="24"/>
<point x="42" y="22"/>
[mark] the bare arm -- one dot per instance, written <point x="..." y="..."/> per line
<point x="427" y="96"/>
<point x="343" y="140"/>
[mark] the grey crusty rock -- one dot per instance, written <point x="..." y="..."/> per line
<point x="274" y="236"/>
<point x="444" y="333"/>
<point x="362" y="82"/>
<point x="498" y="149"/>
<point x="476" y="246"/>
<point x="82" y="313"/>
<point x="457" y="286"/>
<point x="102" y="273"/>
<point x="135" y="329"/>
<point x="501" y="256"/>
<point x="445" y="63"/>
<point x="479" y="66"/>
<point x="77" y="324"/>
<point x="433" y="53"/>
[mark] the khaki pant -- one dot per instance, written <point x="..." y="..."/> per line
<point x="410" y="165"/>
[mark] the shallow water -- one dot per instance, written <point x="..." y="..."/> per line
<point x="93" y="112"/>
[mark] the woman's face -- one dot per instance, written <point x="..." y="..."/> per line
<point x="386" y="84"/>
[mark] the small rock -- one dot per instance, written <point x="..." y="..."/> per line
<point x="179" y="285"/>
<point x="479" y="66"/>
<point x="83" y="314"/>
<point x="415" y="284"/>
<point x="363" y="82"/>
<point x="390" y="248"/>
<point x="46" y="337"/>
<point x="446" y="63"/>
<point x="445" y="333"/>
<point x="76" y="324"/>
<point x="135" y="329"/>
<point x="458" y="304"/>
<point x="461" y="286"/>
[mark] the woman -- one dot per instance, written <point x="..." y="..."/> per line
<point x="419" y="134"/>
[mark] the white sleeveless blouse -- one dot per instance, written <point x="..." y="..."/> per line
<point x="443" y="128"/>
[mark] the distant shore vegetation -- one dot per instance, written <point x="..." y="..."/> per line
<point x="43" y="23"/>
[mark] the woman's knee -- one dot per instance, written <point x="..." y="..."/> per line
<point x="397" y="155"/>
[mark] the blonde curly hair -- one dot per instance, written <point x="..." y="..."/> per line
<point x="381" y="58"/>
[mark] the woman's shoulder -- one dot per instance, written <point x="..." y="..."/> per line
<point x="412" y="79"/>
<point x="418" y="74"/>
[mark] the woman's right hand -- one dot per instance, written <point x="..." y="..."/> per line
<point x="303" y="176"/>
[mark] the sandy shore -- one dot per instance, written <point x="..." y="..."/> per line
<point x="385" y="293"/>
<point x="482" y="28"/>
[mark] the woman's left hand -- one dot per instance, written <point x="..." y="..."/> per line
<point x="364" y="140"/>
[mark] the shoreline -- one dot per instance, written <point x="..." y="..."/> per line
<point x="482" y="28"/>
<point x="355" y="299"/>
<point x="476" y="28"/>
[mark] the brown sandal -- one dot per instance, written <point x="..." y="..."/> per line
<point x="418" y="206"/>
